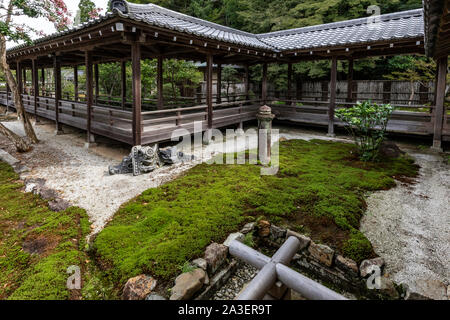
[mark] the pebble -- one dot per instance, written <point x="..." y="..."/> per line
<point x="229" y="291"/>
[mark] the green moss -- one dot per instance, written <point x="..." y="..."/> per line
<point x="26" y="218"/>
<point x="357" y="247"/>
<point x="322" y="181"/>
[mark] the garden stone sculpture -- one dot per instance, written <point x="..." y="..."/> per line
<point x="146" y="159"/>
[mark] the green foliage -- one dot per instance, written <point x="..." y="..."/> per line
<point x="367" y="124"/>
<point x="26" y="217"/>
<point x="166" y="226"/>
<point x="229" y="77"/>
<point x="86" y="8"/>
<point x="248" y="240"/>
<point x="357" y="247"/>
<point x="187" y="267"/>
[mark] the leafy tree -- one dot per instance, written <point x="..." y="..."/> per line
<point x="181" y="73"/>
<point x="86" y="11"/>
<point x="10" y="30"/>
<point x="367" y="123"/>
<point x="412" y="69"/>
<point x="229" y="77"/>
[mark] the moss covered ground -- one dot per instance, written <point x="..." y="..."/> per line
<point x="319" y="190"/>
<point x="37" y="245"/>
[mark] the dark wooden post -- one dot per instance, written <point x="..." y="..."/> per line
<point x="387" y="88"/>
<point x="19" y="77"/>
<point x="264" y="84"/>
<point x="75" y="83"/>
<point x="35" y="86"/>
<point x="160" y="83"/>
<point x="289" y="83"/>
<point x="123" y="77"/>
<point x="24" y="80"/>
<point x="350" y="81"/>
<point x="57" y="76"/>
<point x="332" y="105"/>
<point x="89" y="95"/>
<point x="137" y="93"/>
<point x="7" y="98"/>
<point x="209" y="88"/>
<point x="440" y="103"/>
<point x="97" y="87"/>
<point x="247" y="82"/>
<point x="43" y="81"/>
<point x="219" y="84"/>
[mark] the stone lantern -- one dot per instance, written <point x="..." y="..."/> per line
<point x="265" y="118"/>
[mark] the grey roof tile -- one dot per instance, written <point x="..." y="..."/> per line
<point x="401" y="25"/>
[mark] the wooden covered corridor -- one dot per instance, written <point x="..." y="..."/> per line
<point x="133" y="32"/>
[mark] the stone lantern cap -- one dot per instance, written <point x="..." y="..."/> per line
<point x="265" y="113"/>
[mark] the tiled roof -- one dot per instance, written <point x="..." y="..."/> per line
<point x="401" y="25"/>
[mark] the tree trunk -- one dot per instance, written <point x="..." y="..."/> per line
<point x="18" y="103"/>
<point x="21" y="144"/>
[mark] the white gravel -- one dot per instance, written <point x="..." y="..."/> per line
<point x="409" y="227"/>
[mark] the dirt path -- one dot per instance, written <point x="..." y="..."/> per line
<point x="409" y="227"/>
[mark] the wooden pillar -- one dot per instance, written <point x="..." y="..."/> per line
<point x="97" y="87"/>
<point x="387" y="88"/>
<point x="43" y="81"/>
<point x="209" y="88"/>
<point x="442" y="65"/>
<point x="35" y="86"/>
<point x="289" y="82"/>
<point x="57" y="77"/>
<point x="350" y="81"/>
<point x="19" y="75"/>
<point x="24" y="80"/>
<point x="137" y="93"/>
<point x="7" y="97"/>
<point x="75" y="83"/>
<point x="247" y="82"/>
<point x="332" y="104"/>
<point x="219" y="84"/>
<point x="123" y="77"/>
<point x="160" y="83"/>
<point x="89" y="95"/>
<point x="264" y="84"/>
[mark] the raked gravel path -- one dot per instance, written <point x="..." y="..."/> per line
<point x="409" y="226"/>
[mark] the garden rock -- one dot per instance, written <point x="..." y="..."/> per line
<point x="215" y="256"/>
<point x="321" y="253"/>
<point x="388" y="288"/>
<point x="248" y="228"/>
<point x="138" y="288"/>
<point x="366" y="267"/>
<point x="47" y="194"/>
<point x="234" y="236"/>
<point x="304" y="240"/>
<point x="347" y="265"/>
<point x="277" y="232"/>
<point x="187" y="284"/>
<point x="263" y="228"/>
<point x="154" y="296"/>
<point x="390" y="150"/>
<point x="429" y="289"/>
<point x="58" y="205"/>
<point x="201" y="263"/>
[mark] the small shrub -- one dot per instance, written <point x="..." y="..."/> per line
<point x="357" y="247"/>
<point x="367" y="124"/>
<point x="187" y="267"/>
<point x="248" y="240"/>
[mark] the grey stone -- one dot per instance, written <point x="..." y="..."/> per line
<point x="58" y="205"/>
<point x="277" y="232"/>
<point x="366" y="267"/>
<point x="201" y="263"/>
<point x="30" y="187"/>
<point x="138" y="288"/>
<point x="425" y="289"/>
<point x="304" y="240"/>
<point x="154" y="296"/>
<point x="321" y="253"/>
<point x="187" y="284"/>
<point x="234" y="236"/>
<point x="347" y="265"/>
<point x="249" y="227"/>
<point x="47" y="194"/>
<point x="215" y="256"/>
<point x="263" y="228"/>
<point x="388" y="288"/>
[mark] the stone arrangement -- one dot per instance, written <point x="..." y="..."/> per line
<point x="219" y="276"/>
<point x="146" y="159"/>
